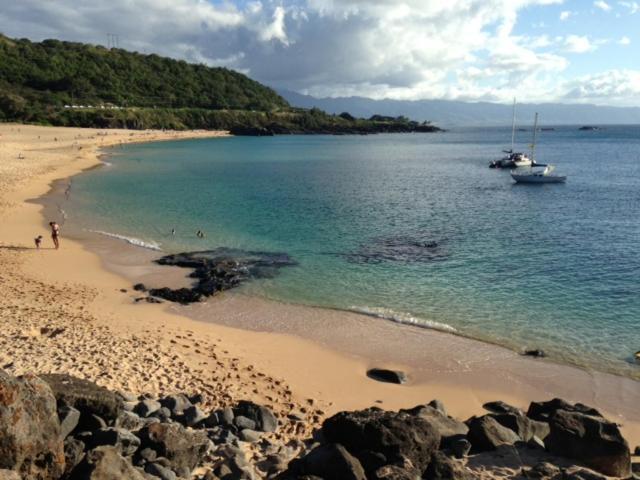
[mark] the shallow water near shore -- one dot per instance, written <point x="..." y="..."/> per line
<point x="413" y="228"/>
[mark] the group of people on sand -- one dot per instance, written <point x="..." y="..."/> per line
<point x="55" y="236"/>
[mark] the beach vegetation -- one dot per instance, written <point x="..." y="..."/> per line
<point x="74" y="84"/>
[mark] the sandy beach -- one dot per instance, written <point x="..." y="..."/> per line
<point x="72" y="310"/>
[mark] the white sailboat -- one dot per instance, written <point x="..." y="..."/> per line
<point x="513" y="159"/>
<point x="536" y="172"/>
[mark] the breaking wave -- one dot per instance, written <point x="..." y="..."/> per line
<point x="151" y="245"/>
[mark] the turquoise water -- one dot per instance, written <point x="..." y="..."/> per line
<point x="414" y="228"/>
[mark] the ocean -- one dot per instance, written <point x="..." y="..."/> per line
<point x="412" y="228"/>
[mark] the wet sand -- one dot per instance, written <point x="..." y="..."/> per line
<point x="234" y="346"/>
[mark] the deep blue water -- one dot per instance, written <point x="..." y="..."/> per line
<point x="414" y="227"/>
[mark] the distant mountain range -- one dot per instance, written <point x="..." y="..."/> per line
<point x="453" y="113"/>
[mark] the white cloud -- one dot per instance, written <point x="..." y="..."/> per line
<point x="624" y="41"/>
<point x="602" y="5"/>
<point x="578" y="44"/>
<point x="613" y="87"/>
<point x="459" y="49"/>
<point x="564" y="15"/>
<point x="632" y="7"/>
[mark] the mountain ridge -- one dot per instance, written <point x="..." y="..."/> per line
<point x="448" y="113"/>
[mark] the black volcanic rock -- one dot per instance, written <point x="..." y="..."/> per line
<point x="378" y="438"/>
<point x="592" y="440"/>
<point x="543" y="411"/>
<point x="218" y="270"/>
<point x="85" y="396"/>
<point x="388" y="376"/>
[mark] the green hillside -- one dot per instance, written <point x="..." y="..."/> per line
<point x="74" y="84"/>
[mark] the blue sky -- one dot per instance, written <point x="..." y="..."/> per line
<point x="572" y="51"/>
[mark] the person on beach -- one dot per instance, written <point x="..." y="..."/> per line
<point x="173" y="231"/>
<point x="55" y="233"/>
<point x="38" y="241"/>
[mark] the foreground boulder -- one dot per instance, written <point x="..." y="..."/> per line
<point x="181" y="447"/>
<point x="30" y="439"/>
<point x="105" y="463"/>
<point x="446" y="426"/>
<point x="543" y="411"/>
<point x="378" y="438"/>
<point x="594" y="441"/>
<point x="264" y="419"/>
<point x="85" y="396"/>
<point x="485" y="434"/>
<point x="331" y="461"/>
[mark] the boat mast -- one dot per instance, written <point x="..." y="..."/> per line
<point x="535" y="132"/>
<point x="513" y="125"/>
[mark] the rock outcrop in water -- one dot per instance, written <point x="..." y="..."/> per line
<point x="218" y="270"/>
<point x="64" y="428"/>
<point x="405" y="249"/>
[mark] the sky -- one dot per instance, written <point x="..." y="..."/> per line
<point x="570" y="51"/>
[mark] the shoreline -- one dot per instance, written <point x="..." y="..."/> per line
<point x="110" y="246"/>
<point x="337" y="376"/>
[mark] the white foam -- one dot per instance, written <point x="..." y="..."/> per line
<point x="151" y="245"/>
<point x="403" y="317"/>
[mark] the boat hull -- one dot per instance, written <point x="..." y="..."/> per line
<point x="538" y="178"/>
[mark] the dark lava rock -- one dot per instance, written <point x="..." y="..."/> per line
<point x="218" y="270"/>
<point x="388" y="376"/>
<point x="523" y="426"/>
<point x="146" y="407"/>
<point x="30" y="440"/>
<point x="248" y="435"/>
<point x="106" y="463"/>
<point x="84" y="395"/>
<point x="139" y="287"/>
<point x="182" y="447"/>
<point x="226" y="416"/>
<point x="129" y="421"/>
<point x="403" y="249"/>
<point x="444" y="425"/>
<point x="163" y="414"/>
<point x="443" y="467"/>
<point x="501" y="407"/>
<point x="193" y="415"/>
<point x="69" y="418"/>
<point x="176" y="403"/>
<point x="159" y="471"/>
<point x="459" y="446"/>
<point x="594" y="441"/>
<point x="485" y="434"/>
<point x="394" y="472"/>
<point x="438" y="405"/>
<point x="535" y="352"/>
<point x="379" y="438"/>
<point x="177" y="295"/>
<point x="579" y="473"/>
<point x="251" y="131"/>
<point x="543" y="411"/>
<point x="90" y="422"/>
<point x="73" y="454"/>
<point x="543" y="471"/>
<point x="263" y="417"/>
<point x="243" y="422"/>
<point x="329" y="461"/>
<point x="126" y="442"/>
